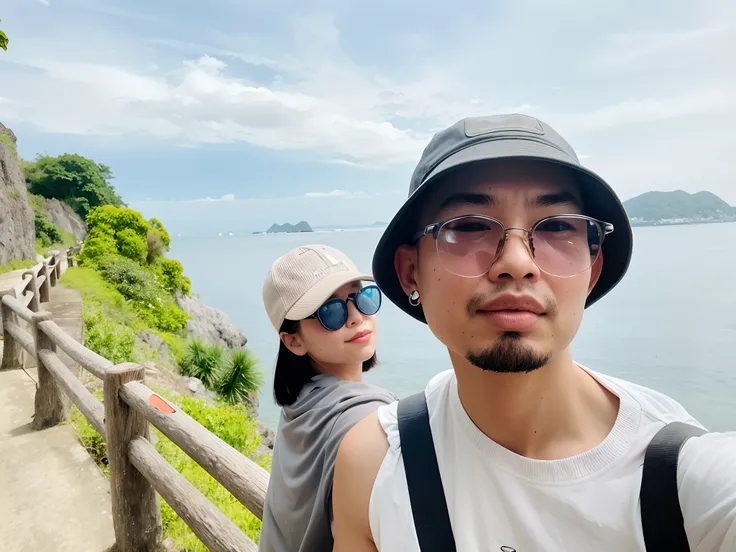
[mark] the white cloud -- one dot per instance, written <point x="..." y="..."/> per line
<point x="202" y="104"/>
<point x="632" y="92"/>
<point x="45" y="2"/>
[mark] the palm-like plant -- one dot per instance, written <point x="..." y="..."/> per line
<point x="240" y="377"/>
<point x="203" y="362"/>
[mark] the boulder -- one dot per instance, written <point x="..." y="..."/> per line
<point x="209" y="324"/>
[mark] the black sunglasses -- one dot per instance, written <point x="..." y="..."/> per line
<point x="334" y="313"/>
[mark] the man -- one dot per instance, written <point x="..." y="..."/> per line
<point x="503" y="242"/>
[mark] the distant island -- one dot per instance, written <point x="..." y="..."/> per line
<point x="301" y="226"/>
<point x="678" y="207"/>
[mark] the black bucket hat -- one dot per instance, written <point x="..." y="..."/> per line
<point x="487" y="139"/>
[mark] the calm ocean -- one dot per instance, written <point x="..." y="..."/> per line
<point x="670" y="324"/>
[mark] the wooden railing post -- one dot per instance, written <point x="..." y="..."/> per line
<point x="52" y="271"/>
<point x="33" y="285"/>
<point x="57" y="267"/>
<point x="12" y="350"/>
<point x="135" y="512"/>
<point x="51" y="407"/>
<point x="44" y="292"/>
<point x="69" y="258"/>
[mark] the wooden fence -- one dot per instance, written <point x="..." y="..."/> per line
<point x="137" y="470"/>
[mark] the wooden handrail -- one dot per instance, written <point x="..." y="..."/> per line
<point x="245" y="479"/>
<point x="89" y="360"/>
<point x="78" y="393"/>
<point x="213" y="528"/>
<point x="137" y="471"/>
<point x="17" y="307"/>
<point x="21" y="336"/>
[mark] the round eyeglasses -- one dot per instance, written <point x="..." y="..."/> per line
<point x="561" y="245"/>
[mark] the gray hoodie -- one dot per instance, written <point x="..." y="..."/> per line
<point x="296" y="515"/>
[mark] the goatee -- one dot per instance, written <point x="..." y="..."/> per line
<point x="508" y="355"/>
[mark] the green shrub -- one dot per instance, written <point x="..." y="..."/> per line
<point x="155" y="247"/>
<point x="129" y="278"/>
<point x="158" y="226"/>
<point x="131" y="245"/>
<point x="240" y="377"/>
<point x="96" y="246"/>
<point x="140" y="286"/>
<point x="47" y="233"/>
<point x="171" y="276"/>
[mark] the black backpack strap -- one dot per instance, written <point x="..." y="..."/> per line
<point x="427" y="496"/>
<point x="661" y="516"/>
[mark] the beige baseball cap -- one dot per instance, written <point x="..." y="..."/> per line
<point x="299" y="282"/>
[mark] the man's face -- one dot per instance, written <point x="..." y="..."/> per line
<point x="459" y="310"/>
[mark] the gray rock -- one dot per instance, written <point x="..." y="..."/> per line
<point x="5" y="130"/>
<point x="194" y="384"/>
<point x="65" y="218"/>
<point x="268" y="437"/>
<point x="209" y="324"/>
<point x="152" y="346"/>
<point x="17" y="230"/>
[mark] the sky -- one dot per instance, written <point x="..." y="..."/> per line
<point x="231" y="115"/>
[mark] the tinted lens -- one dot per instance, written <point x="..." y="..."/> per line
<point x="368" y="300"/>
<point x="333" y="314"/>
<point x="468" y="246"/>
<point x="566" y="246"/>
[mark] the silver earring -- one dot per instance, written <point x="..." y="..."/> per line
<point x="414" y="298"/>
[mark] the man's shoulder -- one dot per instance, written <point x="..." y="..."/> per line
<point x="655" y="405"/>
<point x="363" y="449"/>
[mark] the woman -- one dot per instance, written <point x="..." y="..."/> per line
<point x="326" y="321"/>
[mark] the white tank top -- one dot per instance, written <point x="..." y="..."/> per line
<point x="502" y="502"/>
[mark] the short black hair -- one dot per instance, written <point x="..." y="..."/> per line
<point x="294" y="371"/>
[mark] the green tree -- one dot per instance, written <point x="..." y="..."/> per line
<point x="74" y="179"/>
<point x="116" y="230"/>
<point x="3" y="40"/>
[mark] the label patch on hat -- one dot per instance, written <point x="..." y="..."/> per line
<point x="477" y="126"/>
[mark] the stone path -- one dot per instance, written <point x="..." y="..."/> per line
<point x="53" y="497"/>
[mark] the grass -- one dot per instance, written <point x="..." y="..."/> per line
<point x="232" y="424"/>
<point x="5" y="139"/>
<point x="68" y="240"/>
<point x="16" y="264"/>
<point x="110" y="321"/>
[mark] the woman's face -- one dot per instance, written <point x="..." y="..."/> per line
<point x="352" y="344"/>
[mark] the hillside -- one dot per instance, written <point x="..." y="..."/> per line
<point x="302" y="226"/>
<point x="678" y="207"/>
<point x="30" y="224"/>
<point x="17" y="233"/>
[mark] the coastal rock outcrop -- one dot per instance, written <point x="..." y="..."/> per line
<point x="209" y="324"/>
<point x="65" y="218"/>
<point x="17" y="231"/>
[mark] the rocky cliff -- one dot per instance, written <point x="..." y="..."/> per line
<point x="17" y="231"/>
<point x="65" y="218"/>
<point x="209" y="324"/>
